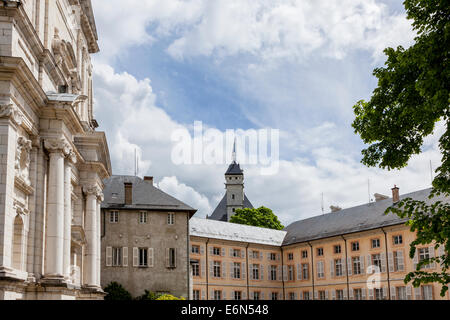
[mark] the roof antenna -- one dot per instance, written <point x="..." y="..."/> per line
<point x="322" y="204"/>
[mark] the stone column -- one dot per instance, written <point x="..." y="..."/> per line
<point x="71" y="159"/>
<point x="98" y="240"/>
<point x="54" y="249"/>
<point x="92" y="236"/>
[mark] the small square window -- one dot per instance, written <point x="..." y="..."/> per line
<point x="398" y="239"/>
<point x="143" y="217"/>
<point x="216" y="251"/>
<point x="320" y="252"/>
<point x="290" y="256"/>
<point x="355" y="246"/>
<point x="114" y="217"/>
<point x="375" y="243"/>
<point x="337" y="248"/>
<point x="304" y="254"/>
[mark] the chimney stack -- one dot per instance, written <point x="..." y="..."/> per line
<point x="128" y="192"/>
<point x="395" y="194"/>
<point x="148" y="180"/>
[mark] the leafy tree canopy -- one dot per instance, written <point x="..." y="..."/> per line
<point x="261" y="217"/>
<point x="116" y="291"/>
<point x="412" y="95"/>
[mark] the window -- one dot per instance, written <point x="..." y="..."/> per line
<point x="195" y="268"/>
<point x="320" y="270"/>
<point x="236" y="253"/>
<point x="217" y="295"/>
<point x="232" y="196"/>
<point x="274" y="295"/>
<point x="306" y="295"/>
<point x="338" y="267"/>
<point x="255" y="254"/>
<point x="398" y="239"/>
<point x="427" y="292"/>
<point x="195" y="249"/>
<point x="305" y="271"/>
<point x="290" y="273"/>
<point x="375" y="243"/>
<point x="399" y="264"/>
<point x="143" y="217"/>
<point x="216" y="251"/>
<point x="376" y="260"/>
<point x="216" y="269"/>
<point x="290" y="256"/>
<point x="339" y="294"/>
<point x="291" y="296"/>
<point x="337" y="248"/>
<point x="320" y="252"/>
<point x="322" y="295"/>
<point x="237" y="295"/>
<point x="143" y="257"/>
<point x="196" y="295"/>
<point x="423" y="255"/>
<point x="236" y="270"/>
<point x="255" y="271"/>
<point x="256" y="295"/>
<point x="378" y="293"/>
<point x="170" y="218"/>
<point x="356" y="265"/>
<point x="116" y="257"/>
<point x="355" y="246"/>
<point x="401" y="293"/>
<point x="172" y="258"/>
<point x="357" y="294"/>
<point x="273" y="273"/>
<point x="304" y="254"/>
<point x="114" y="216"/>
<point x="273" y="256"/>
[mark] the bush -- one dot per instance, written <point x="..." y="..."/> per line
<point x="115" y="291"/>
<point x="169" y="297"/>
<point x="148" y="295"/>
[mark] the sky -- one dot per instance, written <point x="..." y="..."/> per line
<point x="297" y="66"/>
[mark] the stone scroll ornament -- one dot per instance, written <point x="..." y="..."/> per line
<point x="58" y="145"/>
<point x="12" y="112"/>
<point x="93" y="190"/>
<point x="23" y="159"/>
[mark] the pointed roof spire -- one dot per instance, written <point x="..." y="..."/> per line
<point x="234" y="150"/>
<point x="234" y="167"/>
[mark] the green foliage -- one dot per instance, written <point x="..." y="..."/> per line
<point x="413" y="94"/>
<point x="148" y="295"/>
<point x="115" y="291"/>
<point x="261" y="217"/>
<point x="169" y="297"/>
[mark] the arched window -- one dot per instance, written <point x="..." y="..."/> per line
<point x="18" y="254"/>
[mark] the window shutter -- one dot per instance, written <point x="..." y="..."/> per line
<point x="345" y="294"/>
<point x="415" y="260"/>
<point x="295" y="295"/>
<point x="333" y="294"/>
<point x="301" y="295"/>
<point x="231" y="252"/>
<point x="224" y="294"/>
<point x="262" y="295"/>
<point x="392" y="293"/>
<point x="285" y="275"/>
<point x="135" y="257"/>
<point x="417" y="295"/>
<point x="370" y="294"/>
<point x="310" y="295"/>
<point x="202" y="263"/>
<point x="203" y="295"/>
<point x="369" y="261"/>
<point x="202" y="250"/>
<point x="400" y="261"/>
<point x="261" y="256"/>
<point x="243" y="254"/>
<point x="211" y="251"/>
<point x="279" y="271"/>
<point x="108" y="256"/>
<point x="299" y="272"/>
<point x="391" y="261"/>
<point x="431" y="253"/>
<point x="244" y="295"/>
<point x="244" y="270"/>
<point x="361" y="261"/>
<point x="167" y="258"/>
<point x="441" y="250"/>
<point x="231" y="270"/>
<point x="316" y="295"/>
<point x="125" y="256"/>
<point x="278" y="257"/>
<point x="350" y="294"/>
<point x="252" y="295"/>
<point x="383" y="262"/>
<point x="150" y="257"/>
<point x="211" y="295"/>
<point x="261" y="273"/>
<point x="332" y="269"/>
<point x="349" y="266"/>
<point x="385" y="292"/>
<point x="344" y="267"/>
<point x="223" y="252"/>
<point x="408" y="293"/>
<point x="224" y="270"/>
<point x="211" y="269"/>
<point x="363" y="293"/>
<point x="268" y="256"/>
<point x="326" y="294"/>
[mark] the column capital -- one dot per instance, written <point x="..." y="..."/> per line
<point x="12" y="112"/>
<point x="57" y="145"/>
<point x="93" y="190"/>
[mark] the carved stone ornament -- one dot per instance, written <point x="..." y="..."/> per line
<point x="72" y="157"/>
<point x="23" y="160"/>
<point x="58" y="145"/>
<point x="10" y="111"/>
<point x="93" y="190"/>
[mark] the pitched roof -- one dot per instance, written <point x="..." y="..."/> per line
<point x="234" y="169"/>
<point x="145" y="196"/>
<point x="235" y="232"/>
<point x="220" y="213"/>
<point x="360" y="218"/>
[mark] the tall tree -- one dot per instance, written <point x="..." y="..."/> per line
<point x="261" y="217"/>
<point x="413" y="94"/>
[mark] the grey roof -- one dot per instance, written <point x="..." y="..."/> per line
<point x="234" y="169"/>
<point x="220" y="213"/>
<point x="235" y="232"/>
<point x="145" y="196"/>
<point x="360" y="218"/>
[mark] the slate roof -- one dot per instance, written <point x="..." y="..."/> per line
<point x="145" y="196"/>
<point x="234" y="169"/>
<point x="235" y="232"/>
<point x="360" y="218"/>
<point x="220" y="213"/>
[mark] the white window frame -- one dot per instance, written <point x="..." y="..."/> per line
<point x="143" y="217"/>
<point x="171" y="218"/>
<point x="114" y="216"/>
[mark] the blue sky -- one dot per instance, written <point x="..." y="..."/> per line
<point x="297" y="66"/>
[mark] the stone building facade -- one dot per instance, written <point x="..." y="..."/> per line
<point x="53" y="161"/>
<point x="145" y="238"/>
<point x="327" y="257"/>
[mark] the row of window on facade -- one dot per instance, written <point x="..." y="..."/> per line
<point x="142" y="257"/>
<point x="234" y="253"/>
<point x="142" y="217"/>
<point x="337" y="267"/>
<point x="425" y="292"/>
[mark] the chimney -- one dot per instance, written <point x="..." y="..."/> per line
<point x="335" y="209"/>
<point x="149" y="180"/>
<point x="128" y="192"/>
<point x="395" y="194"/>
<point x="379" y="197"/>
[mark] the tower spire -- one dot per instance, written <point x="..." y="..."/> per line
<point x="234" y="150"/>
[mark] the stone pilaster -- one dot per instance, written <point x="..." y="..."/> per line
<point x="54" y="250"/>
<point x="71" y="160"/>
